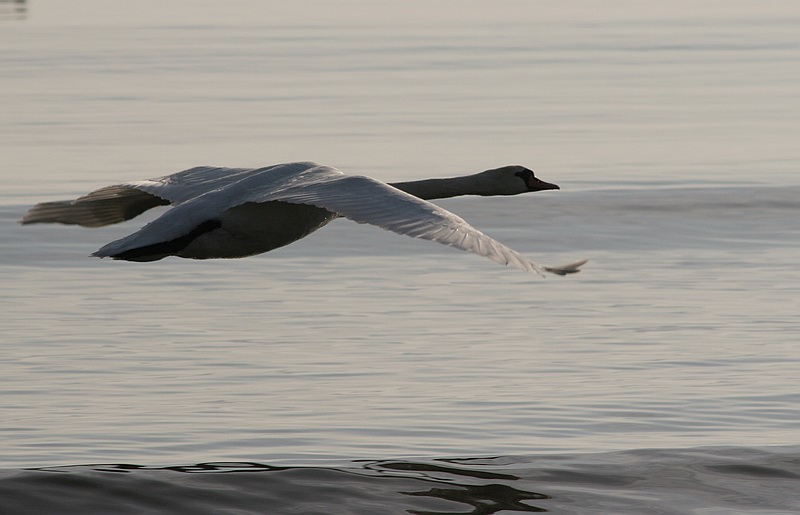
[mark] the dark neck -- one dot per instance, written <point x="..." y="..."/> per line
<point x="429" y="189"/>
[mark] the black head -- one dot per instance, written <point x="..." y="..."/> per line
<point x="508" y="180"/>
<point x="531" y="181"/>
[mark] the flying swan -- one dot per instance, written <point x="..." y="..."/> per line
<point x="239" y="212"/>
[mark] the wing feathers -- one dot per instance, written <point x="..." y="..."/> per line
<point x="365" y="200"/>
<point x="105" y="206"/>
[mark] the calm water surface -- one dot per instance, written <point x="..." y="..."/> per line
<point x="383" y="374"/>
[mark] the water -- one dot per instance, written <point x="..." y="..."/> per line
<point x="357" y="371"/>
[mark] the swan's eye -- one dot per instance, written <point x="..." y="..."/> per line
<point x="525" y="175"/>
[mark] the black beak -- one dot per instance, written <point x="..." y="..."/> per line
<point x="538" y="185"/>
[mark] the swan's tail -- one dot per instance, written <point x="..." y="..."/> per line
<point x="571" y="268"/>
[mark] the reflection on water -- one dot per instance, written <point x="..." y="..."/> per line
<point x="668" y="481"/>
<point x="484" y="499"/>
<point x="477" y="492"/>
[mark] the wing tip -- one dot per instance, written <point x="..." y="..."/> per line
<point x="569" y="268"/>
<point x="45" y="212"/>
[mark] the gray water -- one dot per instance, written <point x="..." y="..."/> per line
<point x="662" y="379"/>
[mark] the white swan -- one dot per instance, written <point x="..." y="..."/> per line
<point x="238" y="212"/>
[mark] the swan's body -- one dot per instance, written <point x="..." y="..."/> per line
<point x="239" y="212"/>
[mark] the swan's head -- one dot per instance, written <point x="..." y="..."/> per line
<point x="513" y="180"/>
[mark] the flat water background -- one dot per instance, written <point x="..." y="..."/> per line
<point x="356" y="371"/>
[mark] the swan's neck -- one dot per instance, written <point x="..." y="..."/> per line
<point x="429" y="189"/>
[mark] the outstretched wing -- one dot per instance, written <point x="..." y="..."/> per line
<point x="368" y="201"/>
<point x="120" y="202"/>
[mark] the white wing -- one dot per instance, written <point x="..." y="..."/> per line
<point x="120" y="202"/>
<point x="216" y="190"/>
<point x="368" y="201"/>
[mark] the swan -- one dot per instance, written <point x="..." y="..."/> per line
<point x="239" y="212"/>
